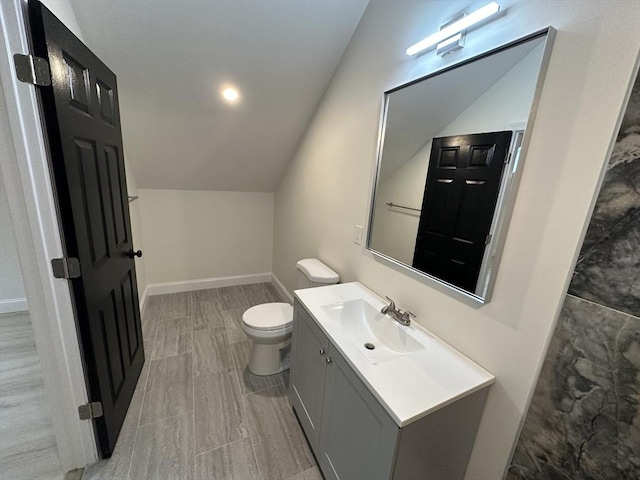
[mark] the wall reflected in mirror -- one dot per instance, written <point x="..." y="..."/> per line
<point x="450" y="149"/>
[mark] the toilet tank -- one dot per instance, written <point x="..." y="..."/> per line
<point x="313" y="273"/>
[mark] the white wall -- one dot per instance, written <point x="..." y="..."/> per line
<point x="136" y="232"/>
<point x="12" y="295"/>
<point x="326" y="189"/>
<point x="194" y="235"/>
<point x="63" y="10"/>
<point x="395" y="229"/>
<point x="509" y="100"/>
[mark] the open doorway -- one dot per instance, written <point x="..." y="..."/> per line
<point x="26" y="186"/>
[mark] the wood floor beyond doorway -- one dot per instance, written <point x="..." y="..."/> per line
<point x="27" y="442"/>
<point x="197" y="412"/>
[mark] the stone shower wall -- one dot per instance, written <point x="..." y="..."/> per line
<point x="584" y="418"/>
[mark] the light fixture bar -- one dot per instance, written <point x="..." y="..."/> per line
<point x="456" y="27"/>
<point x="450" y="44"/>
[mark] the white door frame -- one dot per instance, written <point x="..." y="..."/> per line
<point x="24" y="173"/>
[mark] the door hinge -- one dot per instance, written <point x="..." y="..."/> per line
<point x="66" y="267"/>
<point x="488" y="240"/>
<point x="33" y="70"/>
<point x="89" y="411"/>
<point x="508" y="158"/>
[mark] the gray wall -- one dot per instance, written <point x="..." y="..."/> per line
<point x="584" y="420"/>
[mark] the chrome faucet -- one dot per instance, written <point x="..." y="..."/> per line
<point x="403" y="318"/>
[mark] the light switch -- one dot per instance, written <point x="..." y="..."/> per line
<point x="357" y="234"/>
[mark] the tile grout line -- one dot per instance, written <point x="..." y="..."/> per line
<point x="135" y="438"/>
<point x="192" y="311"/>
<point x="255" y="455"/>
<point x="170" y="417"/>
<point x="222" y="446"/>
<point x="251" y="436"/>
<point x="603" y="306"/>
<point x="243" y="404"/>
<point x="193" y="404"/>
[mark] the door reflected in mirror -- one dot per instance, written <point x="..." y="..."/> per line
<point x="451" y="150"/>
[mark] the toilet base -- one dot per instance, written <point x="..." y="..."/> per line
<point x="270" y="359"/>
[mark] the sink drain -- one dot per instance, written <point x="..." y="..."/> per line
<point x="369" y="346"/>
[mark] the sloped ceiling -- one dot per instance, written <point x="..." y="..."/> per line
<point x="173" y="56"/>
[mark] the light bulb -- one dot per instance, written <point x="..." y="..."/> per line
<point x="230" y="94"/>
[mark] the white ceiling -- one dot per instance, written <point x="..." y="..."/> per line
<point x="172" y="57"/>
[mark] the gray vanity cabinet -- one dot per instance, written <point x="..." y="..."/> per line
<point x="352" y="435"/>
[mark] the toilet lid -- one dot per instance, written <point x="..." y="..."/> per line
<point x="268" y="316"/>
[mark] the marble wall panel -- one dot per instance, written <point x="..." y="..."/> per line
<point x="584" y="418"/>
<point x="608" y="267"/>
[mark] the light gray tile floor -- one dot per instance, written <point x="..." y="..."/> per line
<point x="27" y="443"/>
<point x="198" y="413"/>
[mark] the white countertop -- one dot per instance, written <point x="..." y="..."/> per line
<point x="411" y="386"/>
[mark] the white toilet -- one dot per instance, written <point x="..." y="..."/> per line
<point x="270" y="325"/>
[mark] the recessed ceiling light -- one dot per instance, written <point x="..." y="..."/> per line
<point x="230" y="94"/>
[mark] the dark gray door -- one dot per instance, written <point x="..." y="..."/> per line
<point x="85" y="142"/>
<point x="460" y="196"/>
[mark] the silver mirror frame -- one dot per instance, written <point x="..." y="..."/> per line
<point x="508" y="191"/>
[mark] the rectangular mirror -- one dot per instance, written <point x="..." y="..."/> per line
<point x="451" y="148"/>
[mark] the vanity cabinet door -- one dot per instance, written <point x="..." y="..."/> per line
<point x="308" y="370"/>
<point x="358" y="438"/>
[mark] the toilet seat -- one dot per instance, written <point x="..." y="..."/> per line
<point x="269" y="316"/>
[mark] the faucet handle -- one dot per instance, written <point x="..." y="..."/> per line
<point x="387" y="308"/>
<point x="406" y="317"/>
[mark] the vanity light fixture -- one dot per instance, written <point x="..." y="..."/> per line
<point x="451" y="44"/>
<point x="450" y="35"/>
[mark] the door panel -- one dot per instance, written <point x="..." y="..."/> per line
<point x="88" y="167"/>
<point x="83" y="129"/>
<point x="461" y="192"/>
<point x="308" y="370"/>
<point x="357" y="437"/>
<point x="115" y="188"/>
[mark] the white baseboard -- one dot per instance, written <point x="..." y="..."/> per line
<point x="13" y="305"/>
<point x="284" y="293"/>
<point x="206" y="283"/>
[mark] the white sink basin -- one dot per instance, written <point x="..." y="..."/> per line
<point x="411" y="371"/>
<point x="364" y="325"/>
